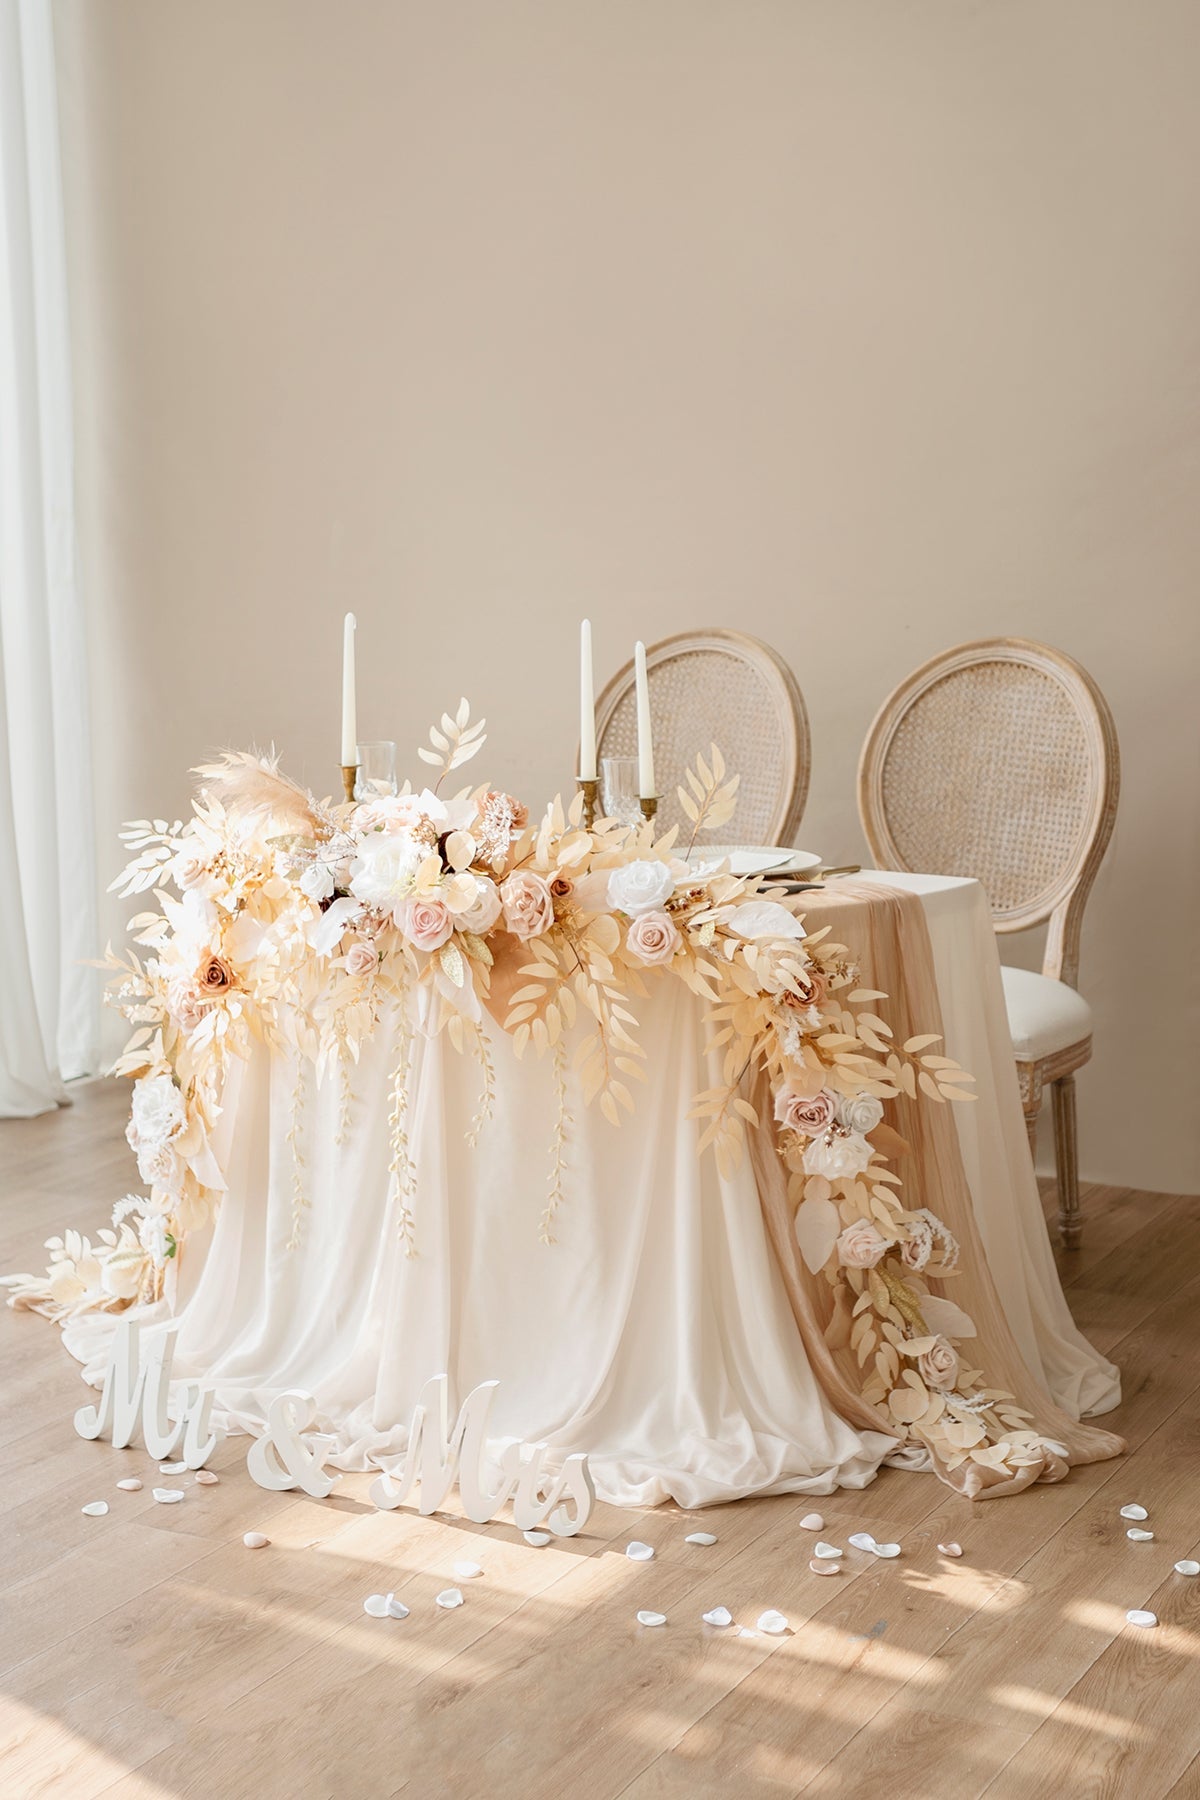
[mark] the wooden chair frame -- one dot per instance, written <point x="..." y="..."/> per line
<point x="1061" y="903"/>
<point x="789" y="701"/>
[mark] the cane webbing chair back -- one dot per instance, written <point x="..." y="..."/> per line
<point x="724" y="688"/>
<point x="999" y="760"/>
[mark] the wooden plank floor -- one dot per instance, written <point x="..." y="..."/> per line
<point x="148" y="1654"/>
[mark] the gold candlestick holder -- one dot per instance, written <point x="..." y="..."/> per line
<point x="349" y="778"/>
<point x="589" y="790"/>
<point x="649" y="805"/>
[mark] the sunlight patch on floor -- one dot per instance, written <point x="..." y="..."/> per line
<point x="1068" y="1712"/>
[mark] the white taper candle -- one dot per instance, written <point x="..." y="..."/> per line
<point x="349" y="703"/>
<point x="645" y="742"/>
<point x="587" y="706"/>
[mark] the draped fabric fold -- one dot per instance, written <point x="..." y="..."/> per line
<point x="887" y="930"/>
<point x="670" y="1331"/>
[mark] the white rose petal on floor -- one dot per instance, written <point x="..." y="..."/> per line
<point x="772" y="1622"/>
<point x="376" y="1606"/>
<point x="719" y="1616"/>
<point x="537" y="1538"/>
<point x="950" y="1549"/>
<point x="466" y="1571"/>
<point x="396" y="1609"/>
<point x="814" y="1522"/>
<point x="862" y="1540"/>
<point x="651" y="1618"/>
<point x="95" y="1509"/>
<point x="1134" y="1511"/>
<point x="168" y="1496"/>
<point x="1138" y="1536"/>
<point x="824" y="1550"/>
<point x="1145" y="1619"/>
<point x="206" y="1478"/>
<point x="171" y="1468"/>
<point x="255" y="1540"/>
<point x="450" y="1597"/>
<point x="886" y="1550"/>
<point x="131" y="1484"/>
<point x="700" y="1537"/>
<point x="638" y="1552"/>
<point x="825" y="1567"/>
<point x="1187" y="1567"/>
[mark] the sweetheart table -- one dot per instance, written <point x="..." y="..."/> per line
<point x="663" y="1314"/>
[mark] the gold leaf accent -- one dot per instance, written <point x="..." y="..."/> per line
<point x="452" y="963"/>
<point x="476" y="947"/>
<point x="903" y="1299"/>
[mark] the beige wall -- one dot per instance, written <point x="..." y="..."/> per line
<point x="866" y="327"/>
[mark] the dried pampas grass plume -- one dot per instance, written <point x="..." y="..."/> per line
<point x="248" y="783"/>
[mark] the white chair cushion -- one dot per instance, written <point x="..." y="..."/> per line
<point x="1044" y="1016"/>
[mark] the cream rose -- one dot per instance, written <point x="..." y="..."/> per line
<point x="938" y="1366"/>
<point x="528" y="908"/>
<point x="807" y="1113"/>
<point x="861" y="1245"/>
<point x="361" y="958"/>
<point x="652" y="938"/>
<point x="837" y="1156"/>
<point x="425" y="923"/>
<point x="640" y="887"/>
<point x="159" y="1166"/>
<point x="861" y="1114"/>
<point x="483" y="911"/>
<point x="157" y="1112"/>
<point x="188" y="870"/>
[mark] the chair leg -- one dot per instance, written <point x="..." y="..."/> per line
<point x="1031" y="1125"/>
<point x="1066" y="1161"/>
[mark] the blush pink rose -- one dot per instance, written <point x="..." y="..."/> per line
<point x="361" y="958"/>
<point x="425" y="923"/>
<point x="528" y="906"/>
<point x="808" y="1113"/>
<point x="652" y="938"/>
<point x="861" y="1246"/>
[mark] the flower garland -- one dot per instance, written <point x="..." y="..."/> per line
<point x="299" y="924"/>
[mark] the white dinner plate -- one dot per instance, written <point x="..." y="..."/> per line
<point x="754" y="859"/>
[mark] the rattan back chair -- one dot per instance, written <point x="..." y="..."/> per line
<point x="718" y="687"/>
<point x="999" y="760"/>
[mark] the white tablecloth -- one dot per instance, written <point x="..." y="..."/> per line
<point x="655" y="1333"/>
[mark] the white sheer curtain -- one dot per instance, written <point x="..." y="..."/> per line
<point x="48" y="999"/>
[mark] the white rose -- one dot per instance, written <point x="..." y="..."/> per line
<point x="640" y="887"/>
<point x="861" y="1114"/>
<point x="837" y="1157"/>
<point x="382" y="875"/>
<point x="154" y="1236"/>
<point x="157" y="1112"/>
<point x="483" y="911"/>
<point x="317" y="881"/>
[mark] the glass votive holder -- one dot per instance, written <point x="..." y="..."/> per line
<point x="619" y="789"/>
<point x="376" y="769"/>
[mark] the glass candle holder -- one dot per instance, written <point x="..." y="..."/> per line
<point x="619" y="789"/>
<point x="376" y="769"/>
